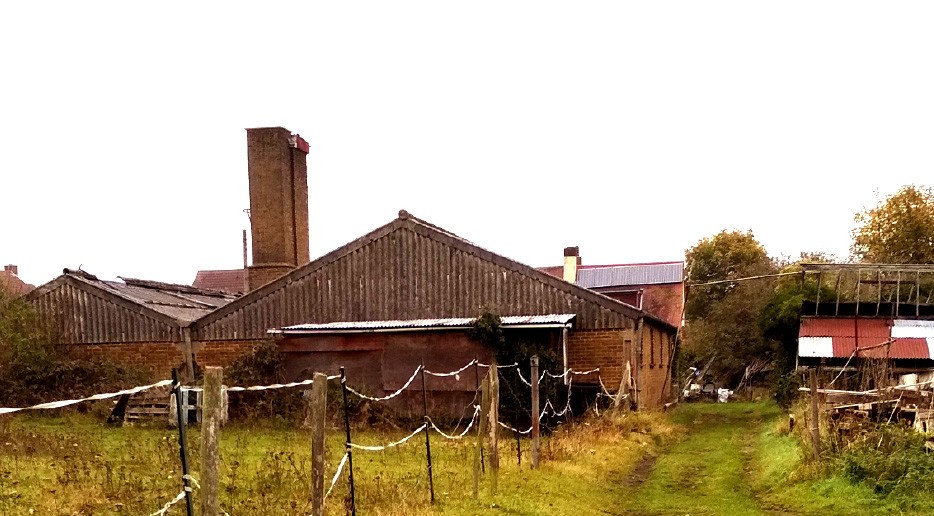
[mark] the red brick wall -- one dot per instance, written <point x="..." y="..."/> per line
<point x="656" y="353"/>
<point x="160" y="357"/>
<point x="606" y="349"/>
<point x="222" y="353"/>
<point x="156" y="357"/>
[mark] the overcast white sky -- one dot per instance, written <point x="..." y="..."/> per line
<point x="629" y="129"/>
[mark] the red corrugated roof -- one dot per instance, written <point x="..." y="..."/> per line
<point x="866" y="333"/>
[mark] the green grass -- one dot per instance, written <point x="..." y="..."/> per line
<point x="712" y="459"/>
<point x="72" y="464"/>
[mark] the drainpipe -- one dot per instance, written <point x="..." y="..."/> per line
<point x="638" y="399"/>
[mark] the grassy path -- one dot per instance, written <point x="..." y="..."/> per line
<point x="707" y="473"/>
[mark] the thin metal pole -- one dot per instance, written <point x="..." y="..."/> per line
<point x="182" y="441"/>
<point x="347" y="449"/>
<point x="535" y="413"/>
<point x="515" y="421"/>
<point x="431" y="483"/>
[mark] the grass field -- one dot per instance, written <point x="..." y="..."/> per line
<point x="702" y="459"/>
<point x="72" y="464"/>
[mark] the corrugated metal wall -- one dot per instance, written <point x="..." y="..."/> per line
<point x="403" y="274"/>
<point x="80" y="316"/>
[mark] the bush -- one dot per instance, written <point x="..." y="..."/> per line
<point x="891" y="459"/>
<point x="35" y="369"/>
<point x="262" y="366"/>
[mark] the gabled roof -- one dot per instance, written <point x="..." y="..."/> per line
<point x="408" y="262"/>
<point x="624" y="274"/>
<point x="230" y="281"/>
<point x="169" y="302"/>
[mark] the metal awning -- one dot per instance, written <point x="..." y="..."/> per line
<point x="511" y="321"/>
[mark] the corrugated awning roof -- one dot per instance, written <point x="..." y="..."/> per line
<point x="842" y="337"/>
<point x="637" y="274"/>
<point x="544" y="321"/>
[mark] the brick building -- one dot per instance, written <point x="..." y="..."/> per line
<point x="405" y="270"/>
<point x="132" y="321"/>
<point x="656" y="287"/>
<point x="11" y="284"/>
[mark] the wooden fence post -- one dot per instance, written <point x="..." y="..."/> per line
<point x="212" y="404"/>
<point x="535" y="412"/>
<point x="493" y="422"/>
<point x="624" y="395"/>
<point x="318" y="406"/>
<point x="815" y="413"/>
<point x="481" y="429"/>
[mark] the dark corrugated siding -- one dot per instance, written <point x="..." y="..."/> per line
<point x="403" y="275"/>
<point x="83" y="317"/>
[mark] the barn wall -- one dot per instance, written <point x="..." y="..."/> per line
<point x="403" y="274"/>
<point x="82" y="316"/>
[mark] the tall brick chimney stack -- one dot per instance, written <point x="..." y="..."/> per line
<point x="278" y="203"/>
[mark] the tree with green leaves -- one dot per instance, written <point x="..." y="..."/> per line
<point x="721" y="313"/>
<point x="899" y="229"/>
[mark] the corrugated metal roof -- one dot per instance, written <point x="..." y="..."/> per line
<point x="911" y="339"/>
<point x="184" y="303"/>
<point x="907" y="328"/>
<point x="622" y="275"/>
<point x="454" y="322"/>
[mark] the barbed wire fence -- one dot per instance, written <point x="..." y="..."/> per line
<point x="484" y="418"/>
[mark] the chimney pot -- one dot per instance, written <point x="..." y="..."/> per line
<point x="572" y="251"/>
<point x="12" y="269"/>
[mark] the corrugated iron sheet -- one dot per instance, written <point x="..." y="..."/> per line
<point x="908" y="328"/>
<point x="452" y="322"/>
<point x="622" y="275"/>
<point x="910" y="337"/>
<point x="815" y="347"/>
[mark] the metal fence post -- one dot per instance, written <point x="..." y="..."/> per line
<point x="182" y="442"/>
<point x="353" y="502"/>
<point x="431" y="483"/>
<point x="535" y="412"/>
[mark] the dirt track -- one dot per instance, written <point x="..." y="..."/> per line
<point x="707" y="473"/>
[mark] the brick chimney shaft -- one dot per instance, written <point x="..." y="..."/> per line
<point x="278" y="202"/>
<point x="12" y="269"/>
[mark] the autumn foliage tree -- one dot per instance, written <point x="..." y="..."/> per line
<point x="721" y="316"/>
<point x="899" y="229"/>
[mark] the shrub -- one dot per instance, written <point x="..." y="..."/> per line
<point x="35" y="369"/>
